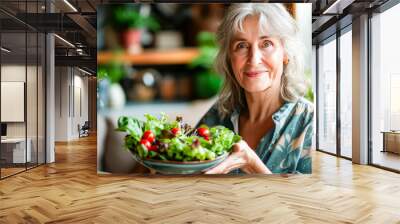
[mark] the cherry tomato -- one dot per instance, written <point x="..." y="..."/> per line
<point x="149" y="135"/>
<point x="175" y="131"/>
<point x="154" y="148"/>
<point x="207" y="138"/>
<point x="146" y="143"/>
<point x="204" y="132"/>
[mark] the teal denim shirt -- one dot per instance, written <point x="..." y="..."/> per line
<point x="285" y="148"/>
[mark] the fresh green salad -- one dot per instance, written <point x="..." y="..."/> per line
<point x="174" y="140"/>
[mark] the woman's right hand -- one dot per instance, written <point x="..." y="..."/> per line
<point x="242" y="157"/>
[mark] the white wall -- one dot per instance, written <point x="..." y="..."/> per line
<point x="71" y="93"/>
<point x="33" y="127"/>
<point x="14" y="73"/>
<point x="81" y="89"/>
<point x="17" y="73"/>
<point x="62" y="81"/>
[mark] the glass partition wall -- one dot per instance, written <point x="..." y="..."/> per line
<point x="13" y="109"/>
<point x="22" y="107"/>
<point x="334" y="96"/>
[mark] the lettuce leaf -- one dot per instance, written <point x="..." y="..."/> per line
<point x="177" y="148"/>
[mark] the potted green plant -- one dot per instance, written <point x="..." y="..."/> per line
<point x="207" y="81"/>
<point x="130" y="23"/>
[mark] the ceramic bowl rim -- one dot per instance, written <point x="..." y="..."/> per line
<point x="225" y="154"/>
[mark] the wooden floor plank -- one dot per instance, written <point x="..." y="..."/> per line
<point x="70" y="191"/>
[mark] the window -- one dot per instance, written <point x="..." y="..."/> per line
<point x="346" y="93"/>
<point x="327" y="96"/>
<point x="385" y="89"/>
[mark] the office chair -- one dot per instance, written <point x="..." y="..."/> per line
<point x="84" y="130"/>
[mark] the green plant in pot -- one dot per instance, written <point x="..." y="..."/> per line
<point x="207" y="81"/>
<point x="109" y="88"/>
<point x="130" y="22"/>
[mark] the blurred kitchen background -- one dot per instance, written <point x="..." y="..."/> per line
<point x="161" y="53"/>
<point x="156" y="58"/>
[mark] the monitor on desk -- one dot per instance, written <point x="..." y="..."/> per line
<point x="3" y="130"/>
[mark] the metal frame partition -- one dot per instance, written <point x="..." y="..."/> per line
<point x="43" y="94"/>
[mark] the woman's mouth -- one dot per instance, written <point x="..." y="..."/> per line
<point x="253" y="74"/>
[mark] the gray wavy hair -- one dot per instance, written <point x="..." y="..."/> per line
<point x="280" y="23"/>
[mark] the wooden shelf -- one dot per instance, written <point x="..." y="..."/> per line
<point x="151" y="57"/>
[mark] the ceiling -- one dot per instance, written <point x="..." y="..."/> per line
<point x="78" y="27"/>
<point x="332" y="15"/>
<point x="76" y="22"/>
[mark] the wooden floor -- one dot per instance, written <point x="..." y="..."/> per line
<point x="70" y="191"/>
<point x="10" y="171"/>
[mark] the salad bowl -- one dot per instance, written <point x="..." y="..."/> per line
<point x="173" y="147"/>
<point x="178" y="167"/>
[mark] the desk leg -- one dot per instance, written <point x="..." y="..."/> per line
<point x="384" y="143"/>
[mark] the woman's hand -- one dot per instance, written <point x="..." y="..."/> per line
<point x="242" y="157"/>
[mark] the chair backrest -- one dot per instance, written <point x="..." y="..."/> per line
<point x="86" y="125"/>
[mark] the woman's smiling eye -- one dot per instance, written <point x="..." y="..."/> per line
<point x="241" y="45"/>
<point x="266" y="44"/>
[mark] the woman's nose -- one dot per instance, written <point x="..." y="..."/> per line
<point x="255" y="56"/>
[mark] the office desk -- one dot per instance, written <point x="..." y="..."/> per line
<point x="13" y="150"/>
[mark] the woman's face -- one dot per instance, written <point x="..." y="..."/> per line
<point x="256" y="58"/>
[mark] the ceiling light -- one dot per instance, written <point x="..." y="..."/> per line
<point x="65" y="41"/>
<point x="84" y="71"/>
<point x="70" y="5"/>
<point x="337" y="7"/>
<point x="5" y="49"/>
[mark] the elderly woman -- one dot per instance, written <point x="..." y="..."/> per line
<point x="260" y="57"/>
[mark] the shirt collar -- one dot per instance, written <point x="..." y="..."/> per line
<point x="280" y="116"/>
<point x="235" y="119"/>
